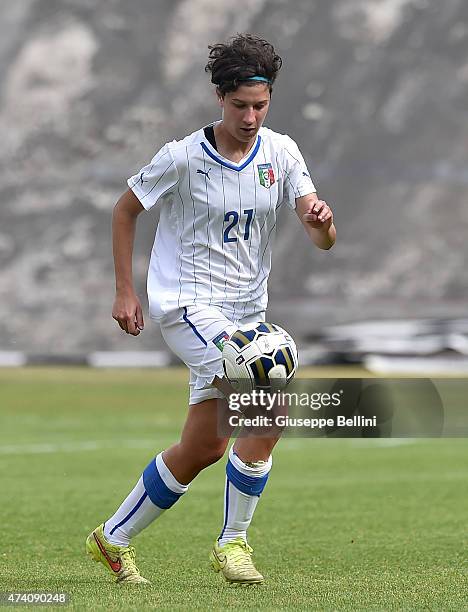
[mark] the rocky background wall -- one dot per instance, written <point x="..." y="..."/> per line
<point x="374" y="91"/>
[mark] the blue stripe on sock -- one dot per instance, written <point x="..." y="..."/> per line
<point x="226" y="510"/>
<point x="250" y="485"/>
<point x="192" y="326"/>
<point x="158" y="492"/>
<point x="131" y="513"/>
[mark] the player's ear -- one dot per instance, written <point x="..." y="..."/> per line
<point x="220" y="97"/>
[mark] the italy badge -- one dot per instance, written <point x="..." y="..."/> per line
<point x="266" y="175"/>
<point x="221" y="339"/>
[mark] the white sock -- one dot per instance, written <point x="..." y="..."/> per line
<point x="244" y="484"/>
<point x="156" y="491"/>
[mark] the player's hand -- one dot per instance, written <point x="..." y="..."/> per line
<point x="319" y="216"/>
<point x="128" y="313"/>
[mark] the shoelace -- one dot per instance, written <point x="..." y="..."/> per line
<point x="128" y="559"/>
<point x="241" y="555"/>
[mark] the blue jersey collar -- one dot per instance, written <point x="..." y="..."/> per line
<point x="228" y="164"/>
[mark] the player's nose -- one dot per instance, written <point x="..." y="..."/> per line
<point x="249" y="117"/>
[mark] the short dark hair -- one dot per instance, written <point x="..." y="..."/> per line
<point x="243" y="56"/>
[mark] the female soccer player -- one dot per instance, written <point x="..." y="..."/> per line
<point x="219" y="191"/>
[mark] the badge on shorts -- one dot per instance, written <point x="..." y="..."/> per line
<point x="266" y="175"/>
<point x="221" y="339"/>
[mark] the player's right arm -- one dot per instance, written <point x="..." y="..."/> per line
<point x="127" y="309"/>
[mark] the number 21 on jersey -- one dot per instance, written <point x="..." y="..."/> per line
<point x="232" y="219"/>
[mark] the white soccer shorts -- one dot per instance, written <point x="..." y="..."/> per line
<point x="196" y="335"/>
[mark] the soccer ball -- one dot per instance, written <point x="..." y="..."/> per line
<point x="259" y="356"/>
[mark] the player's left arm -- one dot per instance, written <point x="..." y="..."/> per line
<point x="317" y="218"/>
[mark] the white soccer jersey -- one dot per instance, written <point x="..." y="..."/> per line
<point x="218" y="219"/>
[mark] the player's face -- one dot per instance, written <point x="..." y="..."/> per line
<point x="244" y="110"/>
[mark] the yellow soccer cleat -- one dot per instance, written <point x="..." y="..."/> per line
<point x="119" y="560"/>
<point x="234" y="560"/>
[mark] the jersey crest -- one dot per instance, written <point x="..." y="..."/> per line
<point x="221" y="339"/>
<point x="266" y="175"/>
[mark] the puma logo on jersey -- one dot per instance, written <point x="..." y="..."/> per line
<point x="207" y="173"/>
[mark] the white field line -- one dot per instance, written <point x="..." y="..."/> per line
<point x="384" y="442"/>
<point x="73" y="447"/>
<point x="299" y="443"/>
<point x="93" y="445"/>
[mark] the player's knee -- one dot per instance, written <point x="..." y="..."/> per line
<point x="211" y="454"/>
<point x="201" y="456"/>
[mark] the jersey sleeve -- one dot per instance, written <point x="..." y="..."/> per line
<point x="297" y="181"/>
<point x="155" y="180"/>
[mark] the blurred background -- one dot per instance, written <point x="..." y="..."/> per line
<point x="375" y="93"/>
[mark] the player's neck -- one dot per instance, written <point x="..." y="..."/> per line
<point x="229" y="147"/>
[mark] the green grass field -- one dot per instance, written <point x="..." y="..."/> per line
<point x="342" y="525"/>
